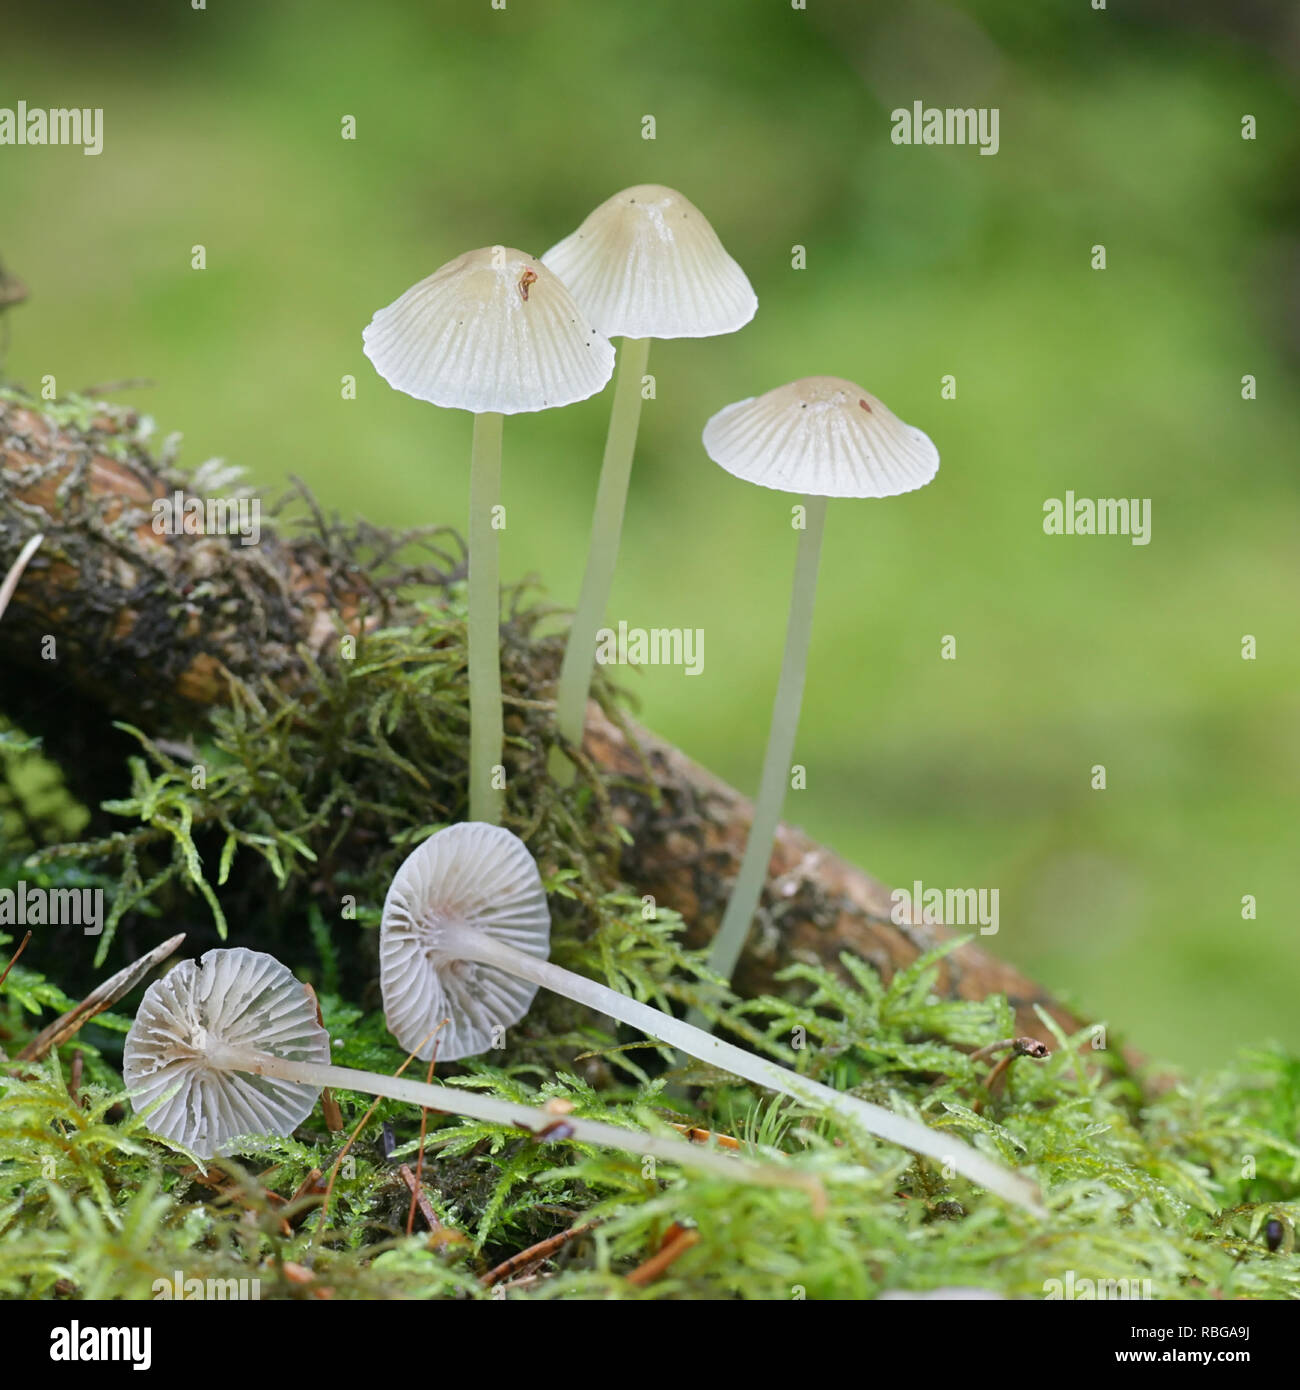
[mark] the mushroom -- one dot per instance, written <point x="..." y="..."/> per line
<point x="646" y="264"/>
<point x="229" y="1046"/>
<point x="821" y="437"/>
<point x="465" y="936"/>
<point x="493" y="332"/>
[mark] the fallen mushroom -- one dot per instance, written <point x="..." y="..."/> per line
<point x="465" y="937"/>
<point x="229" y="1046"/>
<point x="822" y="437"/>
<point x="493" y="332"/>
<point x="645" y="264"/>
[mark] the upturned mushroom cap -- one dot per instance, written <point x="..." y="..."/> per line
<point x="231" y="998"/>
<point x="824" y="437"/>
<point x="493" y="330"/>
<point x="647" y="264"/>
<point x="476" y="877"/>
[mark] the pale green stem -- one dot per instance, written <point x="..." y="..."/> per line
<point x="486" y="724"/>
<point x="748" y="889"/>
<point x="455" y="1101"/>
<point x="472" y="944"/>
<point x="602" y="553"/>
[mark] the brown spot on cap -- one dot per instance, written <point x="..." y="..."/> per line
<point x="865" y="406"/>
<point x="529" y="277"/>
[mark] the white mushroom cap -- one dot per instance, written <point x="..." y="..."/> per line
<point x="647" y="264"/>
<point x="824" y="437"/>
<point x="236" y="998"/>
<point x="473" y="876"/>
<point x="493" y="330"/>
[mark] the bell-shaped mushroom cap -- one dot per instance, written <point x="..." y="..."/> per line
<point x="822" y="436"/>
<point x="476" y="877"/>
<point x="231" y="998"/>
<point x="493" y="330"/>
<point x="647" y="264"/>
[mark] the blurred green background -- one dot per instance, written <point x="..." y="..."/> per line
<point x="475" y="126"/>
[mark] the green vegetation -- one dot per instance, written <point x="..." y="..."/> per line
<point x="509" y="126"/>
<point x="311" y="801"/>
<point x="1139" y="1189"/>
<point x="477" y="126"/>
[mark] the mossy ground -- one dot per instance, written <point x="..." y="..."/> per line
<point x="1155" y="1190"/>
<point x="286" y="842"/>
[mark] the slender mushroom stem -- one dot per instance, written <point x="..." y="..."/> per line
<point x="486" y="724"/>
<point x="748" y="889"/>
<point x="475" y="1104"/>
<point x="468" y="944"/>
<point x="602" y="553"/>
<point x="16" y="571"/>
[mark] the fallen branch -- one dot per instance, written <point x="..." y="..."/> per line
<point x="156" y="627"/>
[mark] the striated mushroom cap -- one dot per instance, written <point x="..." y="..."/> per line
<point x="493" y="330"/>
<point x="231" y="998"/>
<point x="647" y="264"/>
<point x="473" y="876"/>
<point x="824" y="437"/>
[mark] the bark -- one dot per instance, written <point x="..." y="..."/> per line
<point x="154" y="630"/>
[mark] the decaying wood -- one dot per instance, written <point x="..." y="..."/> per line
<point x="145" y="632"/>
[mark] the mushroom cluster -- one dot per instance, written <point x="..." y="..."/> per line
<point x="231" y="1046"/>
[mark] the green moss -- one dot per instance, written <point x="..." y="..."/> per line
<point x="1175" y="1190"/>
<point x="277" y="822"/>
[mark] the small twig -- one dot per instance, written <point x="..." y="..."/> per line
<point x="417" y="1188"/>
<point x="329" y="1106"/>
<point x="343" y="1152"/>
<point x="13" y="960"/>
<point x="657" y="1264"/>
<point x="360" y="1125"/>
<point x="242" y="1192"/>
<point x="102" y="997"/>
<point x="1018" y="1047"/>
<point x="1024" y="1047"/>
<point x="420" y="1198"/>
<point x="705" y="1136"/>
<point x="74" y="1077"/>
<point x="308" y="1186"/>
<point x="673" y="1230"/>
<point x="535" y="1254"/>
<point x="523" y="703"/>
<point x="16" y="571"/>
